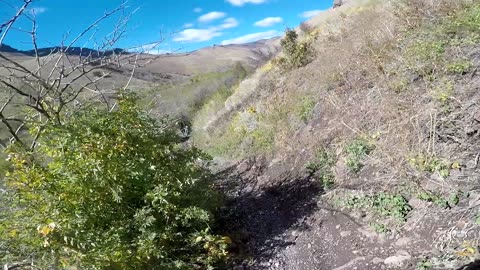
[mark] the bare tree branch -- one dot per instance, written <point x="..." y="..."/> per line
<point x="10" y="23"/>
<point x="66" y="79"/>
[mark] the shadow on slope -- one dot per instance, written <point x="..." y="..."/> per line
<point x="258" y="214"/>
<point x="471" y="266"/>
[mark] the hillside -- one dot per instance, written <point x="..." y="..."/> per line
<point x="363" y="154"/>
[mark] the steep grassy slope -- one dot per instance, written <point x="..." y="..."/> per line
<point x="385" y="118"/>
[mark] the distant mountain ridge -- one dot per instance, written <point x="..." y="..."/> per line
<point x="88" y="51"/>
<point x="49" y="50"/>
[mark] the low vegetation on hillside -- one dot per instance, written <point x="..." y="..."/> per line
<point x="381" y="96"/>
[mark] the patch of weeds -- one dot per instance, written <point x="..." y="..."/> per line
<point x="460" y="66"/>
<point x="444" y="91"/>
<point x="268" y="66"/>
<point x="424" y="264"/>
<point x="312" y="167"/>
<point x="454" y="198"/>
<point x="432" y="164"/>
<point x="384" y="204"/>
<point x="427" y="49"/>
<point x="399" y="85"/>
<point x="379" y="228"/>
<point x="305" y="109"/>
<point x="357" y="150"/>
<point x="425" y="54"/>
<point x="477" y="219"/>
<point x="322" y="166"/>
<point x="263" y="139"/>
<point x="434" y="198"/>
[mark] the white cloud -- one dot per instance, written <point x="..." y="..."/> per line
<point x="37" y="10"/>
<point x="240" y="3"/>
<point x="311" y="13"/>
<point x="188" y="25"/>
<point x="211" y="16"/>
<point x="197" y="35"/>
<point x="229" y="23"/>
<point x="197" y="10"/>
<point x="269" y="21"/>
<point x="200" y="35"/>
<point x="252" y="37"/>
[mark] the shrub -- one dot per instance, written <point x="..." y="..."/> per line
<point x="357" y="150"/>
<point x="297" y="53"/>
<point x="110" y="190"/>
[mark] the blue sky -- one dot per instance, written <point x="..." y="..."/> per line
<point x="186" y="24"/>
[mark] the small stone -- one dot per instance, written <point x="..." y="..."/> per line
<point x="403" y="241"/>
<point x="337" y="227"/>
<point x="416" y="203"/>
<point x="337" y="3"/>
<point x="345" y="233"/>
<point x="399" y="259"/>
<point x="367" y="231"/>
<point x="309" y="245"/>
<point x="471" y="164"/>
<point x="476" y="116"/>
<point x="474" y="199"/>
<point x="470" y="130"/>
<point x="377" y="260"/>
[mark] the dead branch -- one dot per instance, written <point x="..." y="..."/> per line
<point x="61" y="81"/>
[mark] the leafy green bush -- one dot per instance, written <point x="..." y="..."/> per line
<point x="384" y="204"/>
<point x="110" y="190"/>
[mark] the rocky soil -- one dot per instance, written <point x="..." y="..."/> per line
<point x="280" y="218"/>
